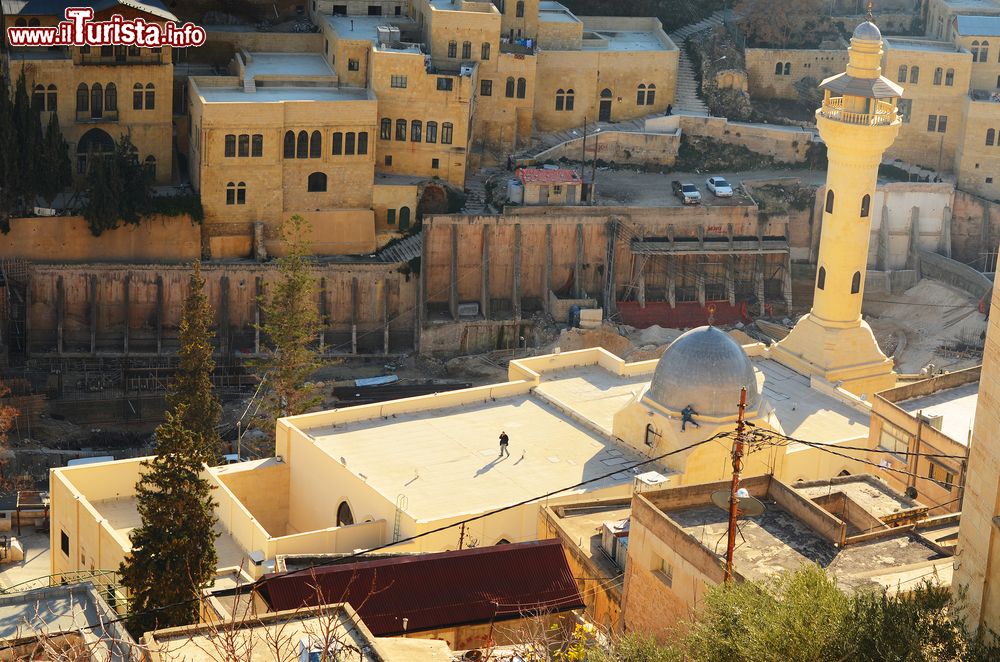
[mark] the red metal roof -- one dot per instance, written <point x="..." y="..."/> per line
<point x="547" y="176"/>
<point x="439" y="590"/>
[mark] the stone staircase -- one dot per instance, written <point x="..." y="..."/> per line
<point x="402" y="251"/>
<point x="541" y="142"/>
<point x="686" y="98"/>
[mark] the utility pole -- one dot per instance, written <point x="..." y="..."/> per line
<point x="583" y="156"/>
<point x="593" y="171"/>
<point x="733" y="499"/>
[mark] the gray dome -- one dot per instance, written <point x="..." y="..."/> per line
<point x="867" y="31"/>
<point x="704" y="368"/>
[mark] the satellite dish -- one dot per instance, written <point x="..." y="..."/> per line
<point x="746" y="506"/>
<point x="911" y="492"/>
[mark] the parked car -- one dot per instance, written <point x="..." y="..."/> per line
<point x="688" y="193"/>
<point x="719" y="186"/>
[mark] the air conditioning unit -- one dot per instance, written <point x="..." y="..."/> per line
<point x="465" y="70"/>
<point x="45" y="211"/>
<point x="614" y="541"/>
<point x="387" y="34"/>
<point x="933" y="420"/>
<point x="651" y="480"/>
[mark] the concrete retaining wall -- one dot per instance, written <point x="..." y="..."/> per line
<point x="954" y="273"/>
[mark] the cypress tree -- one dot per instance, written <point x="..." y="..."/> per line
<point x="55" y="162"/>
<point x="191" y="386"/>
<point x="8" y="155"/>
<point x="291" y="321"/>
<point x="173" y="550"/>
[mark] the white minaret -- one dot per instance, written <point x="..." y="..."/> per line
<point x="858" y="122"/>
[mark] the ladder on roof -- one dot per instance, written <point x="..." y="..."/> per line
<point x="401" y="503"/>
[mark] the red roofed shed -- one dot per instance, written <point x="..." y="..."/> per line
<point x="550" y="186"/>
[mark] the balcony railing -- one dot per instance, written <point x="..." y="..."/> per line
<point x="884" y="113"/>
<point x="992" y="96"/>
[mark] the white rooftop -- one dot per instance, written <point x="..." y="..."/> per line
<point x="978" y="26"/>
<point x="281" y="94"/>
<point x="956" y="405"/>
<point x="364" y="27"/>
<point x="631" y="40"/>
<point x="933" y="45"/>
<point x="288" y="64"/>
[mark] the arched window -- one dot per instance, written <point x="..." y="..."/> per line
<point x="866" y="203"/>
<point x="975" y="51"/>
<point x="446" y="132"/>
<point x="650" y="94"/>
<point x="137" y="96"/>
<point x="466" y="50"/>
<point x="38" y="97"/>
<point x="111" y="97"/>
<point x="902" y="74"/>
<point x="519" y="13"/>
<point x="509" y="91"/>
<point x="432" y="132"/>
<point x="149" y="166"/>
<point x="244" y="144"/>
<point x="96" y="143"/>
<point x="363" y="141"/>
<point x="96" y="101"/>
<point x="231" y="193"/>
<point x="949" y="77"/>
<point x="640" y="95"/>
<point x="778" y="68"/>
<point x="569" y="99"/>
<point x="289" y="150"/>
<point x="522" y="87"/>
<point x="241" y="193"/>
<point x="82" y="98"/>
<point x="984" y="50"/>
<point x="452" y="48"/>
<point x="344" y="515"/>
<point x="416" y="129"/>
<point x="821" y="279"/>
<point x="302" y="145"/>
<point x="485" y="52"/>
<point x="385" y="129"/>
<point x="338" y="143"/>
<point x="990" y="136"/>
<point x="230" y="145"/>
<point x="150" y="97"/>
<point x="914" y="74"/>
<point x="560" y="99"/>
<point x="856" y="283"/>
<point x="258" y="145"/>
<point x="938" y="75"/>
<point x="53" y="97"/>
<point x="404" y="218"/>
<point x="316" y="145"/>
<point x="317" y="182"/>
<point x="349" y="143"/>
<point x="788" y="68"/>
<point x="829" y="201"/>
<point x="401" y="130"/>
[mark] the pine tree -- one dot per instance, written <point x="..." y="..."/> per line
<point x="291" y="321"/>
<point x="173" y="550"/>
<point x="192" y="383"/>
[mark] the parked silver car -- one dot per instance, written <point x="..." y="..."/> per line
<point x="719" y="186"/>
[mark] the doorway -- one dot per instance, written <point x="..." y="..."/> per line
<point x="605" y="114"/>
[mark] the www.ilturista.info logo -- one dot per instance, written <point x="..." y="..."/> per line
<point x="79" y="29"/>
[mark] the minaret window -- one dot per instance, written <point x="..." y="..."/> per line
<point x="866" y="203"/>
<point x="821" y="278"/>
<point x="856" y="283"/>
<point x="829" y="202"/>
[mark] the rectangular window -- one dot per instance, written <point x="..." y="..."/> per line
<point x="230" y="145"/>
<point x="401" y="130"/>
<point x="398" y="81"/>
<point x="446" y="131"/>
<point x="349" y="143"/>
<point x="244" y="144"/>
<point x="486" y="87"/>
<point x="941" y="476"/>
<point x="931" y="122"/>
<point x="390" y="216"/>
<point x="904" y="106"/>
<point x="241" y="195"/>
<point x="432" y="132"/>
<point x="385" y="130"/>
<point x="338" y="143"/>
<point x="942" y="123"/>
<point x="415" y="130"/>
<point x="64" y="542"/>
<point x="445" y="84"/>
<point x="435" y="163"/>
<point x="352" y="65"/>
<point x="662" y="570"/>
<point x="893" y="439"/>
<point x="230" y="195"/>
<point x="257" y="147"/>
<point x="557" y="189"/>
<point x="363" y="142"/>
<point x="388" y="159"/>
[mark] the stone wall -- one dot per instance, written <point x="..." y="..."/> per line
<point x="784" y="143"/>
<point x="620" y="147"/>
<point x="765" y="81"/>
<point x="955" y="274"/>
<point x="975" y="230"/>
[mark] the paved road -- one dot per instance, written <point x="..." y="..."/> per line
<point x="653" y="189"/>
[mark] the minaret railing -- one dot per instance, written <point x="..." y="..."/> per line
<point x="884" y="115"/>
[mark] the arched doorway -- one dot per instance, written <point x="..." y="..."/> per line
<point x="605" y="114"/>
<point x="404" y="219"/>
<point x="95" y="142"/>
<point x="344" y="515"/>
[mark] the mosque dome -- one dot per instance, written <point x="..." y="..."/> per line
<point x="704" y="368"/>
<point x="867" y="31"/>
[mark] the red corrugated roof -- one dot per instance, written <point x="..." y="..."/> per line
<point x="436" y="590"/>
<point x="547" y="176"/>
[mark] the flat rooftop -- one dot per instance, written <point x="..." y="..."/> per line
<point x="584" y="525"/>
<point x="123" y="516"/>
<point x="932" y="45"/>
<point x="364" y="27"/>
<point x="979" y="26"/>
<point x="594" y="394"/>
<point x="281" y="94"/>
<point x="624" y="40"/>
<point x="288" y="64"/>
<point x="803" y="412"/>
<point x="877" y="498"/>
<point x="777" y="541"/>
<point x="439" y="454"/>
<point x="956" y="406"/>
<point x="556" y="14"/>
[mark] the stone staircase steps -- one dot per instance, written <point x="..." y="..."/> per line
<point x="403" y="251"/>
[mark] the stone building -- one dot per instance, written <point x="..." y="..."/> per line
<point x="99" y="93"/>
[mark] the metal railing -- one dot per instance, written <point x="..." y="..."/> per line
<point x="105" y="116"/>
<point x="884" y="113"/>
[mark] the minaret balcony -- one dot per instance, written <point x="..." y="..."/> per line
<point x="882" y="113"/>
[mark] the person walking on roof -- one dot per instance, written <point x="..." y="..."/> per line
<point x="687" y="416"/>
<point x="504" y="440"/>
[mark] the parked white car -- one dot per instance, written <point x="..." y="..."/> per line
<point x="719" y="186"/>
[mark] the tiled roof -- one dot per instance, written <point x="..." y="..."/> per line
<point x="439" y="590"/>
<point x="547" y="176"/>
